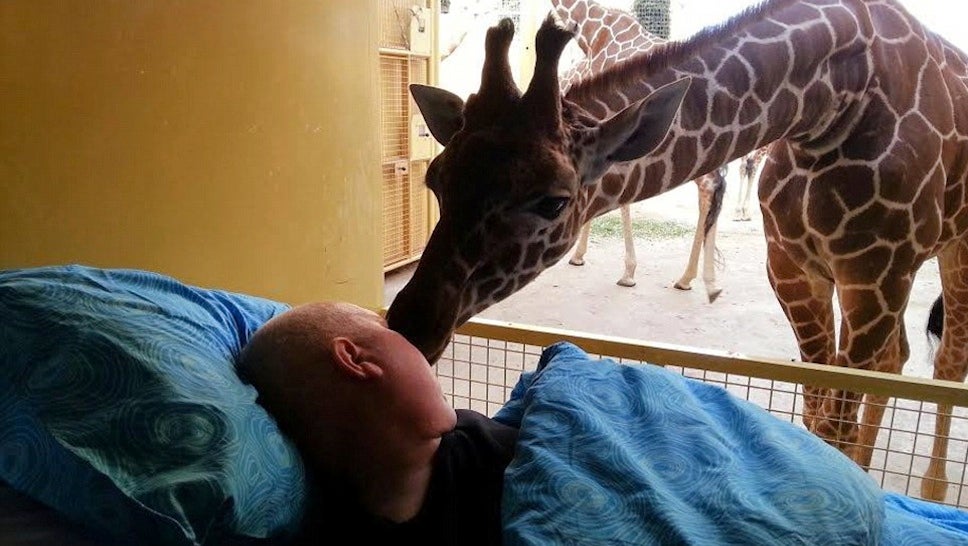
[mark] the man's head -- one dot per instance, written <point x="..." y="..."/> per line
<point x="337" y="379"/>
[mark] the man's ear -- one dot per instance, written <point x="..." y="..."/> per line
<point x="350" y="359"/>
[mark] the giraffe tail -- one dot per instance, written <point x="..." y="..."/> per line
<point x="935" y="326"/>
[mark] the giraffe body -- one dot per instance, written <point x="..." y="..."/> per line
<point x="864" y="111"/>
<point x="608" y="36"/>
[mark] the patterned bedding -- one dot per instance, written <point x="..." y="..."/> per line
<point x="635" y="454"/>
<point x="121" y="409"/>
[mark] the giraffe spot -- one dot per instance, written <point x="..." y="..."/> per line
<point x="764" y="58"/>
<point x="552" y="253"/>
<point x="651" y="177"/>
<point x="557" y="232"/>
<point x="865" y="267"/>
<point x="531" y="256"/>
<point x="793" y="291"/>
<point x="786" y="208"/>
<point x="851" y="185"/>
<point x="865" y="345"/>
<point x="636" y="172"/>
<point x="817" y="99"/>
<point x="749" y="110"/>
<point x="714" y="57"/>
<point x="810" y="46"/>
<point x="872" y="134"/>
<point x="611" y="184"/>
<point x="723" y="107"/>
<point x="748" y="138"/>
<point x="900" y="177"/>
<point x="626" y="35"/>
<point x="707" y="137"/>
<point x="781" y="111"/>
<point x="939" y="111"/>
<point x="600" y="203"/>
<point x="898" y="280"/>
<point x="903" y="92"/>
<point x="954" y="61"/>
<point x="716" y="152"/>
<point x="835" y="192"/>
<point x="488" y="288"/>
<point x="767" y="29"/>
<point x="892" y="226"/>
<point x="695" y="65"/>
<point x="684" y="155"/>
<point x="850" y="68"/>
<point x="806" y="320"/>
<point x="888" y="22"/>
<point x="694" y="119"/>
<point x="796" y="14"/>
<point x="843" y="25"/>
<point x="854" y="242"/>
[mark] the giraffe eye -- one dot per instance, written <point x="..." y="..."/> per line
<point x="550" y="208"/>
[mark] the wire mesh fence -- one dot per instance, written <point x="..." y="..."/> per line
<point x="485" y="359"/>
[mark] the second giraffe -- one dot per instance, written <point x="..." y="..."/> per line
<point x="608" y="36"/>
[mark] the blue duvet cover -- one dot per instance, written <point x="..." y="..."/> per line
<point x="634" y="454"/>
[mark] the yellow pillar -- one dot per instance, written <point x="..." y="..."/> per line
<point x="232" y="144"/>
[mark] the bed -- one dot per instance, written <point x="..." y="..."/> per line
<point x="122" y="421"/>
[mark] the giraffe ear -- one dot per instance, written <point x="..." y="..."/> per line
<point x="442" y="110"/>
<point x="636" y="130"/>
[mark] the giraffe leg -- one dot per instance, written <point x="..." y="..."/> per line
<point x="712" y="191"/>
<point x="578" y="257"/>
<point x="709" y="265"/>
<point x="747" y="188"/>
<point x="747" y="192"/>
<point x="742" y="212"/>
<point x="951" y="362"/>
<point x="628" y="279"/>
<point x="807" y="302"/>
<point x="740" y="199"/>
<point x="874" y="405"/>
<point x="871" y="311"/>
<point x="692" y="266"/>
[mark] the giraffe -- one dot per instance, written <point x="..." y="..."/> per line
<point x="608" y="36"/>
<point x="748" y="165"/>
<point x="863" y="109"/>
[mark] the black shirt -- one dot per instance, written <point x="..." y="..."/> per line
<point x="463" y="502"/>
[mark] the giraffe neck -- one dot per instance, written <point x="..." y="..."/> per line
<point x="604" y="32"/>
<point x="784" y="69"/>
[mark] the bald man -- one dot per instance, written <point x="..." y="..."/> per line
<point x="390" y="459"/>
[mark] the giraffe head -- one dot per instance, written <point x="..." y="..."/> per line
<point x="512" y="182"/>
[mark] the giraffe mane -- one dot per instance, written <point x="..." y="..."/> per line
<point x="664" y="55"/>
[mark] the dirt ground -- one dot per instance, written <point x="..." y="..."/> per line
<point x="746" y="317"/>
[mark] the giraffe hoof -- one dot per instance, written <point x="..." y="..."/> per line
<point x="934" y="490"/>
<point x="713" y="294"/>
<point x="577" y="261"/>
<point x="679" y="286"/>
<point x="626" y="282"/>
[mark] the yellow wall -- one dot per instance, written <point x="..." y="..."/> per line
<point x="230" y="143"/>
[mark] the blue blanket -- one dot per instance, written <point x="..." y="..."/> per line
<point x="120" y="407"/>
<point x="634" y="454"/>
